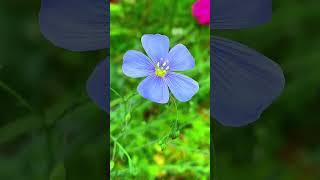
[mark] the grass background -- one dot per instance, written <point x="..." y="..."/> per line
<point x="146" y="143"/>
<point x="63" y="136"/>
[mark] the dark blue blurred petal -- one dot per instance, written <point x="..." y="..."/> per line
<point x="244" y="83"/>
<point x="234" y="14"/>
<point x="98" y="85"/>
<point x="76" y="25"/>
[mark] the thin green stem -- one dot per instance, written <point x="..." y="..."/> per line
<point x="16" y="95"/>
<point x="175" y="127"/>
<point x="124" y="101"/>
<point x="114" y="151"/>
<point x="121" y="100"/>
<point x="115" y="92"/>
<point x="71" y="109"/>
<point x="47" y="130"/>
<point x="176" y="106"/>
<point x="174" y="132"/>
<point x="145" y="145"/>
<point x="123" y="150"/>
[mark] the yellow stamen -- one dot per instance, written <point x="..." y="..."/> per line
<point x="160" y="72"/>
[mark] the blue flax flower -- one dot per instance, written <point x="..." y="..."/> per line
<point x="159" y="69"/>
<point x="243" y="82"/>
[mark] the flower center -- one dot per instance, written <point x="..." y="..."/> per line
<point x="161" y="70"/>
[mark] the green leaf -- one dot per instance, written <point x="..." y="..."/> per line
<point x="16" y="95"/>
<point x="116" y="9"/>
<point x="19" y="127"/>
<point x="128" y="117"/>
<point x="111" y="165"/>
<point x="59" y="172"/>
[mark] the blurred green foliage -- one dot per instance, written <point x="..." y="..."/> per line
<point x="62" y="135"/>
<point x="148" y="140"/>
<point x="48" y="126"/>
<point x="284" y="143"/>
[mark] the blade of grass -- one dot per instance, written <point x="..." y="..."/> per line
<point x="16" y="95"/>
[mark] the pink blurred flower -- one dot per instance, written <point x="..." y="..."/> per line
<point x="201" y="11"/>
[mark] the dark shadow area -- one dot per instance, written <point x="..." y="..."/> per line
<point x="284" y="143"/>
<point x="48" y="126"/>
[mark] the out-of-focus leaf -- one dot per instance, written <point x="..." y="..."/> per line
<point x="19" y="127"/>
<point x="116" y="9"/>
<point x="111" y="165"/>
<point x="117" y="30"/>
<point x="58" y="172"/>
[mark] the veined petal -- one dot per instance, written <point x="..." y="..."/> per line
<point x="235" y="14"/>
<point x="154" y="89"/>
<point x="181" y="86"/>
<point x="98" y="85"/>
<point x="244" y="83"/>
<point x="156" y="46"/>
<point x="76" y="25"/>
<point x="136" y="64"/>
<point x="180" y="59"/>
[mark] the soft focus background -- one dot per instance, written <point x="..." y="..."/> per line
<point x="48" y="126"/>
<point x="285" y="143"/>
<point x="145" y="141"/>
<point x="62" y="134"/>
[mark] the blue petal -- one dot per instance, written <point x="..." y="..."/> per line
<point x="136" y="64"/>
<point x="244" y="83"/>
<point x="154" y="89"/>
<point x="76" y="25"/>
<point x="156" y="46"/>
<point x="98" y="85"/>
<point x="180" y="59"/>
<point x="234" y="14"/>
<point x="181" y="86"/>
